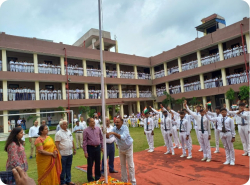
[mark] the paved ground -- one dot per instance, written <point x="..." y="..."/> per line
<point x="159" y="169"/>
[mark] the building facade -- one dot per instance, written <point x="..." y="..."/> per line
<point x="205" y="68"/>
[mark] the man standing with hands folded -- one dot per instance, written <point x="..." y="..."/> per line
<point x="92" y="147"/>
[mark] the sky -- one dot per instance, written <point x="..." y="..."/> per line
<point x="142" y="27"/>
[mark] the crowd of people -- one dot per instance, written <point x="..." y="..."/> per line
<point x="193" y="86"/>
<point x="75" y="94"/>
<point x="113" y="93"/>
<point x="19" y="94"/>
<point x="0" y="64"/>
<point x="160" y="74"/>
<point x="47" y="68"/>
<point x="49" y="94"/>
<point x="213" y="82"/>
<point x="173" y="70"/>
<point x="145" y="94"/>
<point x="174" y="89"/>
<point x="21" y="66"/>
<point x="127" y="74"/>
<point x="189" y="65"/>
<point x="129" y="94"/>
<point x="144" y="76"/>
<point x="237" y="78"/>
<point x="74" y="70"/>
<point x="210" y="59"/>
<point x="160" y="91"/>
<point x="235" y="51"/>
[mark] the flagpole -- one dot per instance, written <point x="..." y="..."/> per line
<point x="103" y="95"/>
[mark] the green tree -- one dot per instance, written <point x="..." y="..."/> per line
<point x="193" y="101"/>
<point x="244" y="93"/>
<point x="60" y="108"/>
<point x="83" y="110"/>
<point x="91" y="113"/>
<point x="230" y="95"/>
<point x="168" y="100"/>
<point x="33" y="118"/>
<point x="180" y="101"/>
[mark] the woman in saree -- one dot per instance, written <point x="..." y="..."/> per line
<point x="48" y="159"/>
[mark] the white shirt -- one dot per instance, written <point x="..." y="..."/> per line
<point x="184" y="127"/>
<point x="97" y="122"/>
<point x="65" y="138"/>
<point x="33" y="132"/>
<point x="148" y="121"/>
<point x="83" y="124"/>
<point x="111" y="138"/>
<point x="239" y="117"/>
<point x="78" y="128"/>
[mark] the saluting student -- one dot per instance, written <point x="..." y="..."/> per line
<point x="149" y="130"/>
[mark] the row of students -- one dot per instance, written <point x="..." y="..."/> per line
<point x="48" y="94"/>
<point x="160" y="91"/>
<point x="145" y="94"/>
<point x="237" y="78"/>
<point x="127" y="74"/>
<point x="144" y="76"/>
<point x="175" y="89"/>
<point x="74" y="70"/>
<point x="21" y="66"/>
<point x="160" y="74"/>
<point x="193" y="86"/>
<point x="235" y="51"/>
<point x="19" y="94"/>
<point x="173" y="70"/>
<point x="129" y="94"/>
<point x="189" y="65"/>
<point x="210" y="59"/>
<point x="47" y="68"/>
<point x="74" y="94"/>
<point x="213" y="82"/>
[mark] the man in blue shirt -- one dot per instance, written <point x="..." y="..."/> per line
<point x="125" y="144"/>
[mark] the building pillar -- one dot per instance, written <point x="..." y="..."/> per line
<point x="62" y="65"/>
<point x="247" y="42"/>
<point x="179" y="64"/>
<point x="129" y="108"/>
<point x="165" y="68"/>
<point x="213" y="104"/>
<point x="202" y="81"/>
<point x="223" y="75"/>
<point x="37" y="89"/>
<point x="120" y="90"/>
<point x="118" y="70"/>
<point x="156" y="105"/>
<point x="116" y="46"/>
<point x="35" y="60"/>
<point x="5" y="91"/>
<point x="86" y="89"/>
<point x="106" y="91"/>
<point x="135" y="71"/>
<point x="182" y="85"/>
<point x="104" y="70"/>
<point x="227" y="102"/>
<point x="204" y="100"/>
<point x="199" y="58"/>
<point x="107" y="112"/>
<point x="64" y="95"/>
<point x="220" y="47"/>
<point x="167" y="87"/>
<point x="138" y="106"/>
<point x="4" y="61"/>
<point x="5" y="122"/>
<point x="154" y="90"/>
<point x="113" y="111"/>
<point x="39" y="118"/>
<point x="121" y="111"/>
<point x="84" y="66"/>
<point x="152" y="72"/>
<point x="137" y="91"/>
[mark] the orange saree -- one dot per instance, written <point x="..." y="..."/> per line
<point x="48" y="167"/>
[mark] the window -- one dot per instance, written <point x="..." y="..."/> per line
<point x="49" y="87"/>
<point x="11" y="86"/>
<point x="48" y="62"/>
<point x="12" y="58"/>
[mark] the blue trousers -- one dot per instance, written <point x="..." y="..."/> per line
<point x="66" y="169"/>
<point x="110" y="156"/>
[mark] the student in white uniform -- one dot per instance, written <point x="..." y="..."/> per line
<point x="216" y="114"/>
<point x="203" y="125"/>
<point x="243" y="127"/>
<point x="59" y="94"/>
<point x="149" y="130"/>
<point x="97" y="120"/>
<point x="184" y="132"/>
<point x="227" y="135"/>
<point x="42" y="94"/>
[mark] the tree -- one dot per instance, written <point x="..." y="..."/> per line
<point x="168" y="100"/>
<point x="61" y="109"/>
<point x="33" y="118"/>
<point x="91" y="113"/>
<point x="180" y="101"/>
<point x="193" y="101"/>
<point x="244" y="93"/>
<point x="84" y="111"/>
<point x="230" y="95"/>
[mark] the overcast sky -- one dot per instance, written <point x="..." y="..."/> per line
<point x="143" y="27"/>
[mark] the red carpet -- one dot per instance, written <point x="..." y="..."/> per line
<point x="160" y="169"/>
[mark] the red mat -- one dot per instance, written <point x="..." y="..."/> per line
<point x="160" y="169"/>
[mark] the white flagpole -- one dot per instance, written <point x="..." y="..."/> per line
<point x="103" y="95"/>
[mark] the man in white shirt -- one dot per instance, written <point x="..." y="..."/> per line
<point x="110" y="146"/>
<point x="65" y="143"/>
<point x="203" y="125"/>
<point x="227" y="135"/>
<point x="78" y="130"/>
<point x="33" y="135"/>
<point x="82" y="123"/>
<point x="97" y="120"/>
<point x="149" y="130"/>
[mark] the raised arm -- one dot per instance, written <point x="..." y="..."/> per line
<point x="155" y="111"/>
<point x="191" y="112"/>
<point x="211" y="119"/>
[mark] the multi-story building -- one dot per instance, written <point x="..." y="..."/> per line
<point x="204" y="68"/>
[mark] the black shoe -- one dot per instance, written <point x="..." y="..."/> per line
<point x="113" y="171"/>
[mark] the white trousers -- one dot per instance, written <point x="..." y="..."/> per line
<point x="217" y="139"/>
<point x="197" y="134"/>
<point x="42" y="96"/>
<point x="126" y="156"/>
<point x="244" y="136"/>
<point x="55" y="95"/>
<point x="175" y="136"/>
<point x="190" y="140"/>
<point x="205" y="144"/>
<point x="162" y="132"/>
<point x="10" y="96"/>
<point x="79" y="140"/>
<point x="228" y="145"/>
<point x="183" y="136"/>
<point x="46" y="96"/>
<point x="33" y="97"/>
<point x="59" y="96"/>
<point x="150" y="139"/>
<point x="168" y="140"/>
